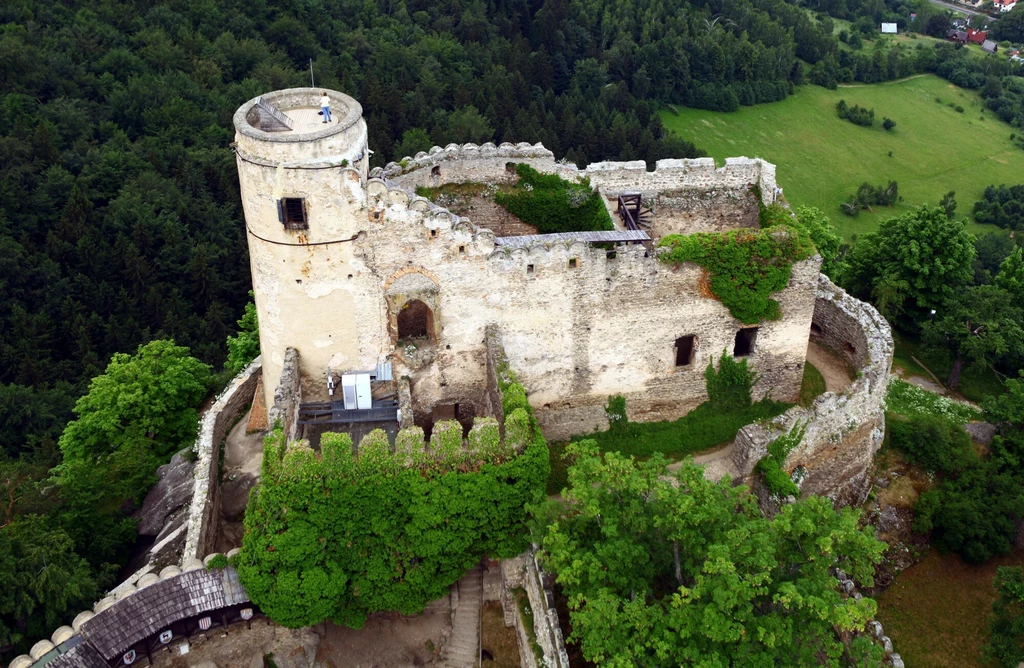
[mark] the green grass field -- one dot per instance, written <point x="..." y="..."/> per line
<point x="822" y="159"/>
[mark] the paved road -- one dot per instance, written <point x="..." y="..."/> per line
<point x="958" y="8"/>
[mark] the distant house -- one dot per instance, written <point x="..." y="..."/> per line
<point x="989" y="46"/>
<point x="1004" y="5"/>
<point x="957" y="36"/>
<point x="976" y="36"/>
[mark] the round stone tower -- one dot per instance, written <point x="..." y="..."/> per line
<point x="301" y="183"/>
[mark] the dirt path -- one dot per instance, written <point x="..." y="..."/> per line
<point x="716" y="463"/>
<point x="831" y="366"/>
<point x="882" y="83"/>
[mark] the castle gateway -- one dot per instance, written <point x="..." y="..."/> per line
<point x="369" y="282"/>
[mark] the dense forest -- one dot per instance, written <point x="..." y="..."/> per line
<point x="120" y="222"/>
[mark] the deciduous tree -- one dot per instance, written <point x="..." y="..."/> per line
<point x="914" y="263"/>
<point x="982" y="325"/>
<point x="670" y="569"/>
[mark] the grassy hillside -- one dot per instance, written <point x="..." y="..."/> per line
<point x="822" y="159"/>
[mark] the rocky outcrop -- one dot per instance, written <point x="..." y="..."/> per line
<point x="169" y="495"/>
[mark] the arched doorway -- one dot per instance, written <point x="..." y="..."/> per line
<point x="415" y="321"/>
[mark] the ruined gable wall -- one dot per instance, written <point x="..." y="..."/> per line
<point x="843" y="431"/>
<point x="691" y="195"/>
<point x="573" y="335"/>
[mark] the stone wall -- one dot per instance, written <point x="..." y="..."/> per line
<point x="524" y="571"/>
<point x="843" y="431"/>
<point x="204" y="513"/>
<point x="687" y="211"/>
<point x="466" y="163"/>
<point x="577" y="325"/>
<point x="674" y="175"/>
<point x="287" y="396"/>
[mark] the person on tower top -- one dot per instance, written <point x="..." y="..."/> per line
<point x="325" y="106"/>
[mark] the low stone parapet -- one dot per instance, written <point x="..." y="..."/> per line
<point x="203" y="515"/>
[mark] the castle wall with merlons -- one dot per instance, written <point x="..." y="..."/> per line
<point x="578" y="323"/>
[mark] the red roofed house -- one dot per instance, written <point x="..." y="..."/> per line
<point x="976" y="36"/>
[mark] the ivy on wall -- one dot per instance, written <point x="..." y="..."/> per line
<point x="552" y="204"/>
<point x="778" y="482"/>
<point x="338" y="535"/>
<point x="746" y="266"/>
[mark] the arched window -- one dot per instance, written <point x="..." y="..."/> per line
<point x="415" y="321"/>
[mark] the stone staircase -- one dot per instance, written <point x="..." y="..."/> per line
<point x="463" y="649"/>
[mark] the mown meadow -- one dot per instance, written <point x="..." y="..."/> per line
<point x="823" y="159"/>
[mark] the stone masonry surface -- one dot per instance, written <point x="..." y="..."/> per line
<point x="843" y="431"/>
<point x="203" y="513"/>
<point x="578" y="323"/>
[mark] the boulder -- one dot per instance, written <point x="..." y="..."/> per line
<point x="981" y="432"/>
<point x="173" y="491"/>
<point x="234" y="496"/>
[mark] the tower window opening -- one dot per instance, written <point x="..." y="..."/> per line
<point x="610" y="254"/>
<point x="291" y="211"/>
<point x="415" y="321"/>
<point x="529" y="269"/>
<point x="684" y="350"/>
<point x="435" y="170"/>
<point x="572" y="263"/>
<point x="433" y="233"/>
<point x="462" y="249"/>
<point x="745" y="340"/>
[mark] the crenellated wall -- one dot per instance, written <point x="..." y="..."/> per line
<point x="467" y="163"/>
<point x="577" y="323"/>
<point x="843" y="431"/>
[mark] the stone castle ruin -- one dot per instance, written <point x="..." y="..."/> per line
<point x="357" y="273"/>
<point x="380" y="309"/>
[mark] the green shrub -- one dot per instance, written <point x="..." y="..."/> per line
<point x="714" y="422"/>
<point x="776" y="479"/>
<point x="772" y="465"/>
<point x="616" y="411"/>
<point x="746" y="266"/>
<point x="974" y="514"/>
<point x="331" y="537"/>
<point x="1006" y="645"/>
<point x="552" y="204"/>
<point x="933" y="443"/>
<point x="729" y="388"/>
<point x="219" y="561"/>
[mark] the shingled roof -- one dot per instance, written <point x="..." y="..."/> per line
<point x="154" y="608"/>
<point x="80" y="656"/>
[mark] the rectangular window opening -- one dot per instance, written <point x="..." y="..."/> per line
<point x="610" y="254"/>
<point x="292" y="213"/>
<point x="572" y="263"/>
<point x="462" y="249"/>
<point x="684" y="350"/>
<point x="433" y="233"/>
<point x="745" y="340"/>
<point x="529" y="269"/>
